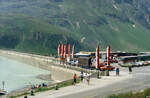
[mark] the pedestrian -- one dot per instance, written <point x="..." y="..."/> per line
<point x="82" y="76"/>
<point x="98" y="75"/>
<point x="36" y="86"/>
<point x="39" y="85"/>
<point x="56" y="87"/>
<point x="74" y="79"/>
<point x="107" y="72"/>
<point x="88" y="79"/>
<point x="25" y="96"/>
<point x="130" y="69"/>
<point x="44" y="85"/>
<point x="117" y="71"/>
<point x="33" y="87"/>
<point x="32" y="92"/>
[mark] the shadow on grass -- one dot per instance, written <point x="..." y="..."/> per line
<point x="144" y="94"/>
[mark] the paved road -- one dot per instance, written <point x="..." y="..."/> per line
<point x="139" y="81"/>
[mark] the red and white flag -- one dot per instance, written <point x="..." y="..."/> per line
<point x="73" y="52"/>
<point x="69" y="50"/>
<point x="65" y="51"/>
<point x="97" y="57"/>
<point x="108" y="55"/>
<point x="59" y="50"/>
<point x="62" y="48"/>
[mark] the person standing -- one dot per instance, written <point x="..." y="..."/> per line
<point x="74" y="79"/>
<point x="107" y="72"/>
<point x="98" y="74"/>
<point x="25" y="96"/>
<point x="82" y="76"/>
<point x="32" y="92"/>
<point x="130" y="69"/>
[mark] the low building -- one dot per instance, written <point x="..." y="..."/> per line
<point x="128" y="59"/>
<point x="84" y="62"/>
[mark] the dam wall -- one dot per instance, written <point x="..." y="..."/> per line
<point x="57" y="73"/>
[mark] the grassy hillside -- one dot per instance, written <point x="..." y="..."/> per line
<point x="32" y="35"/>
<point x="38" y="26"/>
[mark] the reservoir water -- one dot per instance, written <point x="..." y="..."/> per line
<point x="18" y="75"/>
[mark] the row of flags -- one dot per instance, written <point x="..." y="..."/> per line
<point x="64" y="51"/>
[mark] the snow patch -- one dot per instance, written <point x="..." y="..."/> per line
<point x="113" y="2"/>
<point x="115" y="6"/>
<point x="82" y="40"/>
<point x="133" y="26"/>
<point x="78" y="25"/>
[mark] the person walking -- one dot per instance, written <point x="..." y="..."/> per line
<point x="74" y="79"/>
<point x="82" y="76"/>
<point x="117" y="71"/>
<point x="88" y="79"/>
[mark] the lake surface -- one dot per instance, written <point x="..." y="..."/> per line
<point x="18" y="75"/>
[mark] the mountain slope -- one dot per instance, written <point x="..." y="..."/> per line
<point x="38" y="26"/>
